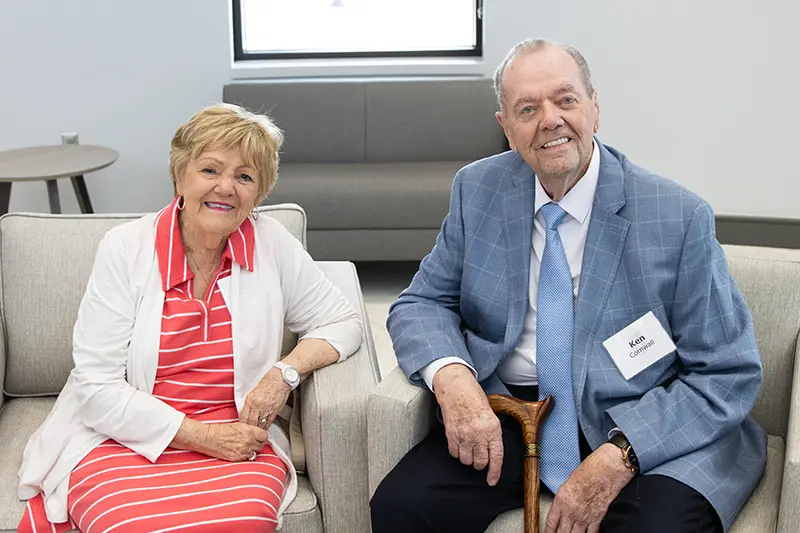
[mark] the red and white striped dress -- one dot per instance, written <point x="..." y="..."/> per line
<point x="115" y="489"/>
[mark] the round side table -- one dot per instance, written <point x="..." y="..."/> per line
<point x="49" y="163"/>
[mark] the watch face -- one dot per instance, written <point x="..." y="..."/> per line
<point x="292" y="375"/>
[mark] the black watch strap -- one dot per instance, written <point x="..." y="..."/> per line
<point x="628" y="455"/>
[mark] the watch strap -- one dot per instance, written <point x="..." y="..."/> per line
<point x="628" y="455"/>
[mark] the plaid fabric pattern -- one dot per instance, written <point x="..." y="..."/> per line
<point x="651" y="247"/>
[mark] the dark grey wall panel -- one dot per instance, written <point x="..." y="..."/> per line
<point x="758" y="231"/>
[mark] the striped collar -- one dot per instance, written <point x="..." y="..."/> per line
<point x="172" y="260"/>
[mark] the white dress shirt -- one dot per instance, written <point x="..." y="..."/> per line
<point x="519" y="368"/>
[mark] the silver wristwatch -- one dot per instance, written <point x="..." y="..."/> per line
<point x="289" y="374"/>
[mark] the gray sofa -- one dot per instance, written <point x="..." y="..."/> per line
<point x="45" y="261"/>
<point x="372" y="162"/>
<point x="400" y="414"/>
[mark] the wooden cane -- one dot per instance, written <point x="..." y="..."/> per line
<point x="530" y="416"/>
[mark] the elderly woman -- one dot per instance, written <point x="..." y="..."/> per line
<point x="166" y="421"/>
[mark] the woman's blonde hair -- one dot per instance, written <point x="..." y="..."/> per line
<point x="225" y="127"/>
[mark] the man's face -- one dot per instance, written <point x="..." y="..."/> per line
<point x="548" y="115"/>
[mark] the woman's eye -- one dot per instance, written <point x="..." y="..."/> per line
<point x="209" y="170"/>
<point x="245" y="177"/>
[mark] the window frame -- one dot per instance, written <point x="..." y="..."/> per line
<point x="239" y="55"/>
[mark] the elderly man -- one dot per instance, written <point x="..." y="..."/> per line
<point x="564" y="269"/>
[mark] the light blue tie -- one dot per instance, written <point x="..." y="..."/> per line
<point x="555" y="316"/>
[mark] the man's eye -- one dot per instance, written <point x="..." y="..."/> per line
<point x="568" y="100"/>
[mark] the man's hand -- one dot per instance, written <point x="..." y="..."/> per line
<point x="582" y="501"/>
<point x="473" y="430"/>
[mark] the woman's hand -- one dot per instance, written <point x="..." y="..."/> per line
<point x="235" y="442"/>
<point x="265" y="401"/>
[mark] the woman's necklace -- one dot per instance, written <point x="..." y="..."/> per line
<point x="197" y="271"/>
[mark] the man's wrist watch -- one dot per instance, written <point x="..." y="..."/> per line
<point x="289" y="374"/>
<point x="619" y="440"/>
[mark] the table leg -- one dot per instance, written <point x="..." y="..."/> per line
<point x="5" y="196"/>
<point x="82" y="194"/>
<point x="52" y="195"/>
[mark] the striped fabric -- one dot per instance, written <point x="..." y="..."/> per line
<point x="115" y="489"/>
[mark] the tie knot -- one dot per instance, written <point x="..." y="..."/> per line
<point x="553" y="215"/>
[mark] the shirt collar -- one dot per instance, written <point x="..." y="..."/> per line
<point x="578" y="201"/>
<point x="172" y="260"/>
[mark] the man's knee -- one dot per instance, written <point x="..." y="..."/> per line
<point x="659" y="504"/>
<point x="398" y="505"/>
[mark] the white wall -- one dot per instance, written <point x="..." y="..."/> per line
<point x="700" y="91"/>
<point x="121" y="74"/>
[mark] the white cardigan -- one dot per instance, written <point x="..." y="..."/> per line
<point x="116" y="344"/>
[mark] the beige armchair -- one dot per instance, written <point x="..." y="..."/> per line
<point x="45" y="261"/>
<point x="400" y="414"/>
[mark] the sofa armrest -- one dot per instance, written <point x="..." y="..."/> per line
<point x="333" y="413"/>
<point x="789" y="515"/>
<point x="399" y="415"/>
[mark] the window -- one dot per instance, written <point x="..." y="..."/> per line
<point x="305" y="29"/>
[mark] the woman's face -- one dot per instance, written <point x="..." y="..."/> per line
<point x="219" y="191"/>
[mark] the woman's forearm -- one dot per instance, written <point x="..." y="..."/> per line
<point x="193" y="436"/>
<point x="310" y="355"/>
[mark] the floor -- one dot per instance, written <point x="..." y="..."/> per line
<point x="381" y="283"/>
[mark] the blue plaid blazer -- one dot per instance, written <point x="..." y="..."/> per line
<point x="651" y="246"/>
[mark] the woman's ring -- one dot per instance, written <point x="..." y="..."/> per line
<point x="253" y="457"/>
<point x="263" y="420"/>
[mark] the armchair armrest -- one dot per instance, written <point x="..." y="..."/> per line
<point x="789" y="515"/>
<point x="2" y="347"/>
<point x="2" y="355"/>
<point x="333" y="411"/>
<point x="399" y="416"/>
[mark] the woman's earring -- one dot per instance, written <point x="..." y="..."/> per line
<point x="181" y="203"/>
<point x="254" y="213"/>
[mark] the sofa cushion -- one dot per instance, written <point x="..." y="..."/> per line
<point x="346" y="120"/>
<point x="46" y="263"/>
<point x="759" y="515"/>
<point x="320" y="121"/>
<point x="368" y="195"/>
<point x="20" y="417"/>
<point x="432" y="120"/>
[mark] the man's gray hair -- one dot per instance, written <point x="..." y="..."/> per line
<point x="534" y="45"/>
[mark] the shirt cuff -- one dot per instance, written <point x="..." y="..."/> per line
<point x="614" y="432"/>
<point x="428" y="371"/>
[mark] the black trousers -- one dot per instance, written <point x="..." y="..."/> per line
<point x="431" y="492"/>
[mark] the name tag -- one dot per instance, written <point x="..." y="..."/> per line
<point x="639" y="345"/>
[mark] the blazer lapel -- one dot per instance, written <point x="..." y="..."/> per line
<point x="601" y="257"/>
<point x="518" y="216"/>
